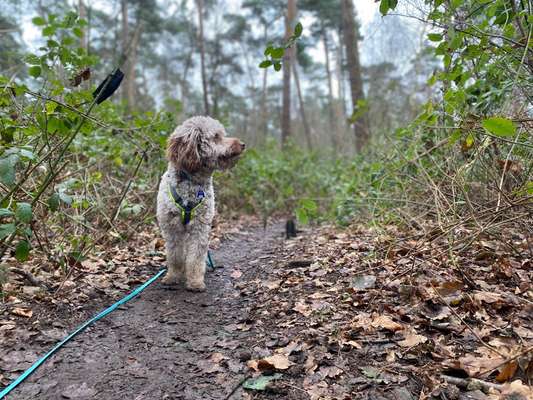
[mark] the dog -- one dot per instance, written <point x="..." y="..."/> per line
<point x="186" y="200"/>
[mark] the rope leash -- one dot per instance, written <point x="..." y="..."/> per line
<point x="86" y="324"/>
<point x="78" y="330"/>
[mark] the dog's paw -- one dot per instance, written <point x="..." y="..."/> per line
<point x="169" y="279"/>
<point x="195" y="287"/>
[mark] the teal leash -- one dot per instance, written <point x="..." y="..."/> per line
<point x="78" y="330"/>
<point x="209" y="262"/>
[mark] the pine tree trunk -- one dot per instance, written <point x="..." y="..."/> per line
<point x="287" y="59"/>
<point x="82" y="11"/>
<point x="200" y="6"/>
<point x="354" y="71"/>
<point x="128" y="91"/>
<point x="307" y="131"/>
<point x="340" y="75"/>
<point x="264" y="119"/>
<point x="131" y="85"/>
<point x="331" y="114"/>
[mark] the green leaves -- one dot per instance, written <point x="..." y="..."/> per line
<point x="275" y="54"/>
<point x="22" y="250"/>
<point x="23" y="212"/>
<point x="307" y="209"/>
<point x="6" y="230"/>
<point x="7" y="170"/>
<point x="387" y="5"/>
<point x="53" y="202"/>
<point x="278" y="52"/>
<point x="498" y="126"/>
<point x="49" y="31"/>
<point x="38" y="21"/>
<point x="298" y="29"/>
<point x="34" y="71"/>
<point x="261" y="382"/>
<point x="435" y="37"/>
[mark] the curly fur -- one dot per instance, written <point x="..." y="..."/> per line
<point x="199" y="147"/>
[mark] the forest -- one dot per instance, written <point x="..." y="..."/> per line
<point x="373" y="241"/>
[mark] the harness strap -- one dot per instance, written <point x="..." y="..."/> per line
<point x="187" y="209"/>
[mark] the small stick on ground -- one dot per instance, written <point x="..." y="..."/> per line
<point x="466" y="383"/>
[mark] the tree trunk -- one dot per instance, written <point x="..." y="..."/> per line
<point x="124" y="40"/>
<point x="264" y="120"/>
<point x="354" y="71"/>
<point x="200" y="6"/>
<point x="82" y="11"/>
<point x="340" y="75"/>
<point x="307" y="131"/>
<point x="129" y="50"/>
<point x="332" y="122"/>
<point x="287" y="59"/>
<point x="131" y="85"/>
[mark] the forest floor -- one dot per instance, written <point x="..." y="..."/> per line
<point x="331" y="314"/>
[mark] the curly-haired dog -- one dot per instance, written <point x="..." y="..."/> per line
<point x="186" y="201"/>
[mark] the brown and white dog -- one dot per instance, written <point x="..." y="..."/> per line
<point x="186" y="201"/>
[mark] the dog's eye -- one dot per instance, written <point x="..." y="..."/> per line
<point x="218" y="136"/>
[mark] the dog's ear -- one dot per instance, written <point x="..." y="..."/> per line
<point x="182" y="152"/>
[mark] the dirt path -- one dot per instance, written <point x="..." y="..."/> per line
<point x="166" y="344"/>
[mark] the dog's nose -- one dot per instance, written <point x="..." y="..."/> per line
<point x="242" y="145"/>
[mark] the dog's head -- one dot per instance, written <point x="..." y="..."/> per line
<point x="200" y="145"/>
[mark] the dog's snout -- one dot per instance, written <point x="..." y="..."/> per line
<point x="243" y="146"/>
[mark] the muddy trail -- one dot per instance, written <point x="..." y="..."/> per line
<point x="162" y="345"/>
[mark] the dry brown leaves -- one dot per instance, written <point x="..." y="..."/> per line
<point x="373" y="308"/>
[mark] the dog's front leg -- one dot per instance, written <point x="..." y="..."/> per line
<point x="196" y="254"/>
<point x="175" y="262"/>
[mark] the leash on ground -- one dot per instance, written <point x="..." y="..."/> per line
<point x="4" y="392"/>
<point x="78" y="330"/>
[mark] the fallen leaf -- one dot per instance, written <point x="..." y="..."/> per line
<point x="332" y="371"/>
<point x="236" y="274"/>
<point x="310" y="364"/>
<point x="507" y="372"/>
<point x="272" y="284"/>
<point x="217" y="357"/>
<point x="362" y="282"/>
<point x="449" y="287"/>
<point x="370" y="372"/>
<point x="302" y="308"/>
<point x="487" y="297"/>
<point x="22" y="312"/>
<point x="385" y="322"/>
<point x="411" y="339"/>
<point x="277" y="361"/>
<point x="260" y="383"/>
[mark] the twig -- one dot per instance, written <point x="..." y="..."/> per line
<point x="467" y="383"/>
